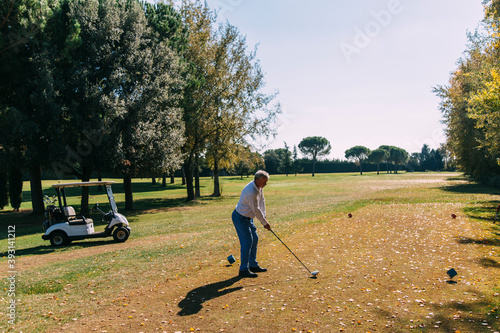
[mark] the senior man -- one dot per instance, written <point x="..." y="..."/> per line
<point x="252" y="204"/>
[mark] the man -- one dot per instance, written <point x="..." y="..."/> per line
<point x="252" y="204"/>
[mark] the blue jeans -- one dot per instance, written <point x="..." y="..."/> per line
<point x="247" y="233"/>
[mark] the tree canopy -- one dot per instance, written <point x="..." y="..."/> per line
<point x="469" y="103"/>
<point x="315" y="146"/>
<point x="359" y="154"/>
<point x="126" y="87"/>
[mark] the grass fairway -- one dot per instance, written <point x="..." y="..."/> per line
<point x="382" y="270"/>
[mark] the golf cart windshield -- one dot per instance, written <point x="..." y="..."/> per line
<point x="111" y="199"/>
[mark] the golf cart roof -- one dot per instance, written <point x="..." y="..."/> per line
<point x="80" y="184"/>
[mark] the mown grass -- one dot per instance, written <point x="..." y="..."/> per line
<point x="381" y="270"/>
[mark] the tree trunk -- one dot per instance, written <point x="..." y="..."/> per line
<point x="127" y="186"/>
<point x="378" y="168"/>
<point x="164" y="180"/>
<point x="188" y="172"/>
<point x="84" y="209"/>
<point x="217" y="192"/>
<point x="314" y="165"/>
<point x="360" y="168"/>
<point x="4" y="192"/>
<point x="153" y="180"/>
<point x="15" y="187"/>
<point x="36" y="190"/>
<point x="172" y="177"/>
<point x="197" y="192"/>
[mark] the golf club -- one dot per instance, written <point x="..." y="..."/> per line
<point x="312" y="273"/>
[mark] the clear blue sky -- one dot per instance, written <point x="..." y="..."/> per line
<point x="358" y="72"/>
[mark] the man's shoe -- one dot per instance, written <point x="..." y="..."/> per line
<point x="247" y="274"/>
<point x="258" y="269"/>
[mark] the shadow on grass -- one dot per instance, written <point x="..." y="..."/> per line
<point x="489" y="263"/>
<point x="137" y="187"/>
<point x="28" y="224"/>
<point x="485" y="262"/>
<point x="482" y="241"/>
<point x="146" y="206"/>
<point x="192" y="303"/>
<point x="468" y="317"/>
<point x="452" y="316"/>
<point x="483" y="210"/>
<point x="470" y="188"/>
<point x="46" y="249"/>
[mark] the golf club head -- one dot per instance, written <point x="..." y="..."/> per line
<point x="314" y="274"/>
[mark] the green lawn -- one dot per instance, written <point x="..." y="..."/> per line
<point x="382" y="270"/>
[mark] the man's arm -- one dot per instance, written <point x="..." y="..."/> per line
<point x="259" y="213"/>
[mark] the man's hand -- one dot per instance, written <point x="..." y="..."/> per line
<point x="267" y="226"/>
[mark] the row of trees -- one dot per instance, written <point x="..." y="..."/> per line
<point x="128" y="87"/>
<point x="470" y="102"/>
<point x="282" y="160"/>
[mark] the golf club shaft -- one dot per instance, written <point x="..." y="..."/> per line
<point x="291" y="251"/>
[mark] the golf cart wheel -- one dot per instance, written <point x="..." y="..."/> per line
<point x="121" y="234"/>
<point x="58" y="238"/>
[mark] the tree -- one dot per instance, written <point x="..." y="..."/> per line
<point x="272" y="161"/>
<point x="123" y="84"/>
<point x="239" y="110"/>
<point x="483" y="109"/>
<point x="359" y="154"/>
<point x="424" y="157"/>
<point x="413" y="162"/>
<point x="286" y="167"/>
<point x="29" y="115"/>
<point x="378" y="156"/>
<point x="148" y="88"/>
<point x="469" y="104"/>
<point x="448" y="162"/>
<point x="437" y="160"/>
<point x="4" y="190"/>
<point x="296" y="162"/>
<point x="315" y="146"/>
<point x="278" y="160"/>
<point x="388" y="159"/>
<point x="462" y="133"/>
<point x="20" y="21"/>
<point x="398" y="156"/>
<point x="247" y="162"/>
<point x="15" y="186"/>
<point x="198" y="19"/>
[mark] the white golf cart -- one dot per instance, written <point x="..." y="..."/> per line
<point x="63" y="226"/>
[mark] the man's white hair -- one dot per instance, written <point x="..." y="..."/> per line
<point x="261" y="173"/>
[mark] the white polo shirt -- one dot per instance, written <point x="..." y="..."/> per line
<point x="252" y="203"/>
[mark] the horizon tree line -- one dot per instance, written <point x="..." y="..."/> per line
<point x="283" y="161"/>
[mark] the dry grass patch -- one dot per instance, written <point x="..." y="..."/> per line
<point x="383" y="270"/>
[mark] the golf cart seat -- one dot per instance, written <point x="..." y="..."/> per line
<point x="69" y="211"/>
